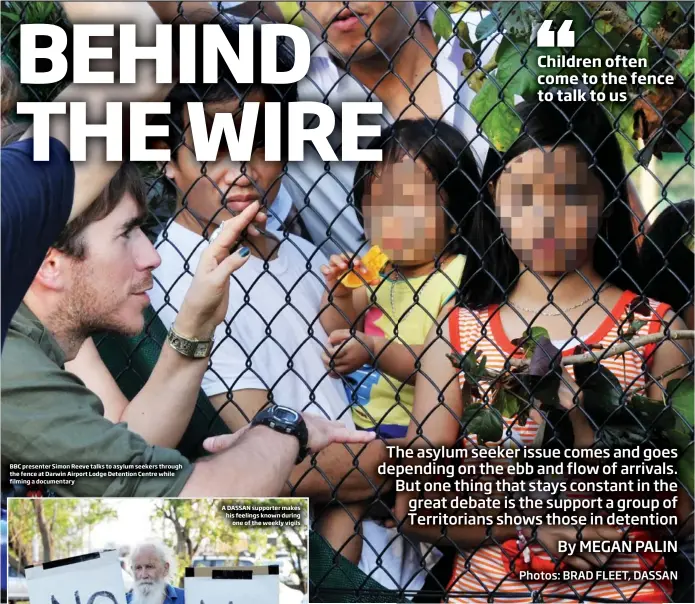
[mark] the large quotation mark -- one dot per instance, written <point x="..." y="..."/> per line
<point x="546" y="36"/>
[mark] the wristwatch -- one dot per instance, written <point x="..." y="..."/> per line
<point x="190" y="347"/>
<point x="286" y="421"/>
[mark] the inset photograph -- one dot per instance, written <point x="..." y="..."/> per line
<point x="157" y="551"/>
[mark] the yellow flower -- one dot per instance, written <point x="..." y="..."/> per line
<point x="374" y="260"/>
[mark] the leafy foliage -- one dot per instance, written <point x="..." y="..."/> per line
<point x="640" y="29"/>
<point x="12" y="15"/>
<point x="60" y="525"/>
<point x="679" y="397"/>
<point x="200" y="525"/>
<point x="483" y="421"/>
<point x="624" y="419"/>
<point x="685" y="68"/>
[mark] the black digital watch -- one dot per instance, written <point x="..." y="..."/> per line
<point x="286" y="421"/>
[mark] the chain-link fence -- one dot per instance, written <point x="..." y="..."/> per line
<point x="448" y="343"/>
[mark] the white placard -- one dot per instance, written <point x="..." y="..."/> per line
<point x="95" y="581"/>
<point x="208" y="590"/>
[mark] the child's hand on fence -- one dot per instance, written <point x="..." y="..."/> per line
<point x="348" y="352"/>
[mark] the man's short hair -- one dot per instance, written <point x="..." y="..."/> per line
<point x="127" y="180"/>
<point x="227" y="87"/>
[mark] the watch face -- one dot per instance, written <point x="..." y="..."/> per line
<point x="286" y="415"/>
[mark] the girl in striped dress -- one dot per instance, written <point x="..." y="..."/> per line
<point x="564" y="259"/>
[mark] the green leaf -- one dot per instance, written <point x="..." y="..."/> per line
<point x="463" y="35"/>
<point x="481" y="366"/>
<point x="456" y="359"/>
<point x="529" y="340"/>
<point x="518" y="18"/>
<point x="518" y="70"/>
<point x="468" y="363"/>
<point x="571" y="11"/>
<point x="602" y="394"/>
<point x="459" y="7"/>
<point x="637" y="325"/>
<point x="537" y="333"/>
<point x="486" y="27"/>
<point x="292" y="13"/>
<point x="685" y="68"/>
<point x="680" y="394"/>
<point x="483" y="421"/>
<point x="500" y="124"/>
<point x="555" y="7"/>
<point x="508" y="403"/>
<point x="646" y="14"/>
<point x="643" y="52"/>
<point x="620" y="436"/>
<point x="684" y="443"/>
<point x="442" y="25"/>
<point x="652" y="413"/>
<point x="514" y="76"/>
<point x="11" y="16"/>
<point x="686" y="471"/>
<point x="602" y="27"/>
<point x="597" y="46"/>
<point x="633" y="329"/>
<point x="623" y="113"/>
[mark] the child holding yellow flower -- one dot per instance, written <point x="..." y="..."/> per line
<point x="379" y="311"/>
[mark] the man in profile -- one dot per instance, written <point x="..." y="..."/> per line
<point x="152" y="569"/>
<point x="38" y="198"/>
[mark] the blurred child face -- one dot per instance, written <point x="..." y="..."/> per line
<point x="404" y="215"/>
<point x="549" y="204"/>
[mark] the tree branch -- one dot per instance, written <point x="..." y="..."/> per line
<point x="617" y="349"/>
<point x="620" y="20"/>
<point x="665" y="374"/>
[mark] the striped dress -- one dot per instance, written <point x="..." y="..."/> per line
<point x="481" y="574"/>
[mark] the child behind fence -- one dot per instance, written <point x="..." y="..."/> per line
<point x="564" y="259"/>
<point x="412" y="205"/>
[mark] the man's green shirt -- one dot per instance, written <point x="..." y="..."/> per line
<point x="49" y="416"/>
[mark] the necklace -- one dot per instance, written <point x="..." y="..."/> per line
<point x="393" y="305"/>
<point x="417" y="292"/>
<point x="557" y="314"/>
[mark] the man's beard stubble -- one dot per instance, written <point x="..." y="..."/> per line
<point x="88" y="311"/>
<point x="149" y="593"/>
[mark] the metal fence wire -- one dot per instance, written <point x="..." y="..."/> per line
<point x="484" y="64"/>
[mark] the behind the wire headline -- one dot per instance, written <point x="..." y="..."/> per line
<point x="215" y="48"/>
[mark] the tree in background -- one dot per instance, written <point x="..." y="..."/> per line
<point x="197" y="524"/>
<point x="201" y="527"/>
<point x="61" y="525"/>
<point x="296" y="547"/>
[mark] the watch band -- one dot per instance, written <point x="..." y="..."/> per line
<point x="286" y="421"/>
<point x="190" y="347"/>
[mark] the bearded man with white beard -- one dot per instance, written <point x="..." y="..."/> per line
<point x="151" y="568"/>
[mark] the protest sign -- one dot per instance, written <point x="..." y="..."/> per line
<point x="88" y="579"/>
<point x="228" y="585"/>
